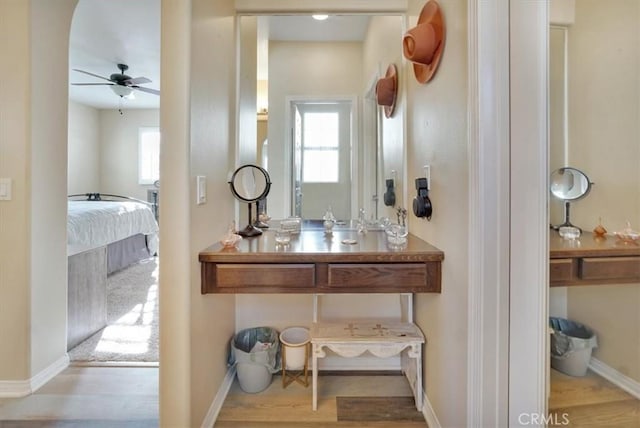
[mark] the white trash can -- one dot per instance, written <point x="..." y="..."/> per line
<point x="571" y="346"/>
<point x="255" y="353"/>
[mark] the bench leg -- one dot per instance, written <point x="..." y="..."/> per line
<point x="314" y="378"/>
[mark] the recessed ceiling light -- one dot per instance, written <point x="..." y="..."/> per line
<point x="320" y="17"/>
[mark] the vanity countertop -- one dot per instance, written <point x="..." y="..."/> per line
<point x="592" y="260"/>
<point x="315" y="263"/>
<point x="590" y="245"/>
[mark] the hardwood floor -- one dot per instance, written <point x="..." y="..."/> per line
<point x="344" y="401"/>
<point x="107" y="397"/>
<point x="591" y="401"/>
<point x="88" y="397"/>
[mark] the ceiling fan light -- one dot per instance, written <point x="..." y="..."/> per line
<point x="121" y="91"/>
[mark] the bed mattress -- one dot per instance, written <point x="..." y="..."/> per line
<point x="93" y="224"/>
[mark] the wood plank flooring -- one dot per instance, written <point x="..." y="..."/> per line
<point x="291" y="407"/>
<point x="88" y="397"/>
<point x="591" y="401"/>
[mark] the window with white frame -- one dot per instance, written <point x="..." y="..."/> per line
<point x="148" y="155"/>
<point x="320" y="148"/>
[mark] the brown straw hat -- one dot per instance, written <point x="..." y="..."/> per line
<point x="387" y="90"/>
<point x="424" y="43"/>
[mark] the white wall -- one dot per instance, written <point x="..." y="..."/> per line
<point x="119" y="150"/>
<point x="437" y="134"/>
<point x="84" y="149"/>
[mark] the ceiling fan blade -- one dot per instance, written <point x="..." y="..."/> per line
<point x="147" y="90"/>
<point x="91" y="74"/>
<point x="92" y="84"/>
<point x="137" y="81"/>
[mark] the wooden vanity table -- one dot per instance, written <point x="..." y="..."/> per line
<point x="590" y="260"/>
<point x="315" y="263"/>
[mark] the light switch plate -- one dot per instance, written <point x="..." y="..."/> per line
<point x="5" y="189"/>
<point x="201" y="193"/>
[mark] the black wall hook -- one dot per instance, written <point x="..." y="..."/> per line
<point x="421" y="203"/>
<point x="390" y="195"/>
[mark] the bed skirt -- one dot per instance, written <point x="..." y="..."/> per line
<point x="87" y="284"/>
<point x="126" y="252"/>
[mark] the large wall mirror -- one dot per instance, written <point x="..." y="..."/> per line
<point x="594" y="93"/>
<point x="307" y="111"/>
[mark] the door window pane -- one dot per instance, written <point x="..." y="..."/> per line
<point x="320" y="148"/>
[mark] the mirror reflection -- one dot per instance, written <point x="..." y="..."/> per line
<point x="250" y="183"/>
<point x="319" y="132"/>
<point x="569" y="184"/>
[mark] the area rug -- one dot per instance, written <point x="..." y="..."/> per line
<point x="131" y="334"/>
<point x="370" y="409"/>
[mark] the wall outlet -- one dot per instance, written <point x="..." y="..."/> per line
<point x="201" y="192"/>
<point x="5" y="189"/>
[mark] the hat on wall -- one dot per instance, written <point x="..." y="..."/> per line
<point x="423" y="44"/>
<point x="387" y="90"/>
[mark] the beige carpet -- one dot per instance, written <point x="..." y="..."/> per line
<point x="132" y="316"/>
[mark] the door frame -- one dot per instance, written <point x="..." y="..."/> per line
<point x="508" y="242"/>
<point x="288" y="143"/>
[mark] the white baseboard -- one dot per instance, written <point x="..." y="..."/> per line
<point x="22" y="388"/>
<point x="14" y="388"/>
<point x="428" y="412"/>
<point x="218" y="401"/>
<point x="612" y="375"/>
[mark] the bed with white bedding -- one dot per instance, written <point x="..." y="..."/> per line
<point x="124" y="226"/>
<point x="104" y="235"/>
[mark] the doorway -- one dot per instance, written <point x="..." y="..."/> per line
<point x="113" y="148"/>
<point x="322" y="158"/>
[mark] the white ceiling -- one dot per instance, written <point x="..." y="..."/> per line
<point x="305" y="28"/>
<point x="107" y="32"/>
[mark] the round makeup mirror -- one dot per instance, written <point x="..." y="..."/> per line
<point x="250" y="183"/>
<point x="569" y="184"/>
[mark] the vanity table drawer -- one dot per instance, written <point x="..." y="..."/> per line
<point x="610" y="268"/>
<point x="377" y="275"/>
<point x="265" y="275"/>
<point x="562" y="270"/>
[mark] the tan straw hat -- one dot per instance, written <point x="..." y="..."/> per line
<point x="424" y="43"/>
<point x="387" y="90"/>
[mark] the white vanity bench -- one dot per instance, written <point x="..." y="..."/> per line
<point x="382" y="338"/>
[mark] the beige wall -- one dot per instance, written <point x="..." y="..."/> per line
<point x="294" y="71"/>
<point x="437" y="134"/>
<point x="213" y="110"/>
<point x="34" y="48"/>
<point x="84" y="149"/>
<point x="604" y="113"/>
<point x="119" y="150"/>
<point x="103" y="149"/>
<point x="15" y="145"/>
<point x="198" y="90"/>
<point x="50" y="23"/>
<point x="604" y="102"/>
<point x="381" y="48"/>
